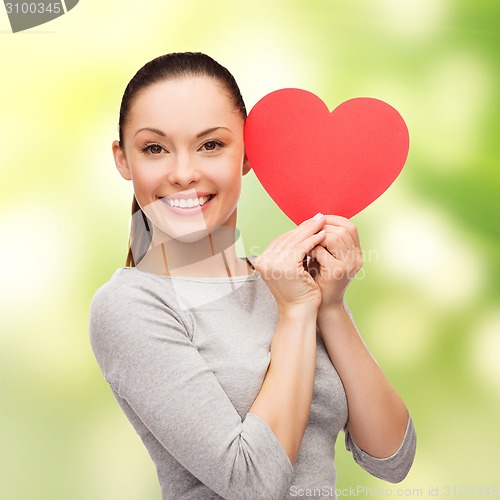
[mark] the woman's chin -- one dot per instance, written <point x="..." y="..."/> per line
<point x="165" y="235"/>
<point x="190" y="237"/>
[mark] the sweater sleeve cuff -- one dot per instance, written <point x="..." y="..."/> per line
<point x="279" y="466"/>
<point x="393" y="468"/>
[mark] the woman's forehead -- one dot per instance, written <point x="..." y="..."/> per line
<point x="183" y="107"/>
<point x="180" y="94"/>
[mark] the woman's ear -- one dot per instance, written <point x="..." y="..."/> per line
<point x="121" y="161"/>
<point x="246" y="165"/>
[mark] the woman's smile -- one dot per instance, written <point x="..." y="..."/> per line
<point x="188" y="206"/>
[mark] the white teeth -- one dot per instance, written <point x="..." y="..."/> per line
<point x="188" y="203"/>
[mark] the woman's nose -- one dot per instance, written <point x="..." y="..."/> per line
<point x="183" y="171"/>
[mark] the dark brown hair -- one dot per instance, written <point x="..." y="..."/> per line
<point x="168" y="67"/>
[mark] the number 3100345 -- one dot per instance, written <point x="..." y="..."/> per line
<point x="33" y="8"/>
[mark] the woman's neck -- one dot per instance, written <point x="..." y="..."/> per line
<point x="211" y="256"/>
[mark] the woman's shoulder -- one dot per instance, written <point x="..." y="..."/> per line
<point x="124" y="291"/>
<point x="119" y="281"/>
<point x="128" y="300"/>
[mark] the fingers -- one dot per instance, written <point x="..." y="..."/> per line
<point x="309" y="243"/>
<point x="292" y="246"/>
<point x="340" y="244"/>
<point x="324" y="263"/>
<point x="323" y="257"/>
<point x="297" y="235"/>
<point x="346" y="224"/>
<point x="341" y="238"/>
<point x="330" y="267"/>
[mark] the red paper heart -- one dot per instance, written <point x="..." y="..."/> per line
<point x="310" y="160"/>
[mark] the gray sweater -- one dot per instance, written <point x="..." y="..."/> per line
<point x="185" y="357"/>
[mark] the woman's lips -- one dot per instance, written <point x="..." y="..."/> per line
<point x="186" y="212"/>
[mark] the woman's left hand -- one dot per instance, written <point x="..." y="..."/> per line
<point x="335" y="262"/>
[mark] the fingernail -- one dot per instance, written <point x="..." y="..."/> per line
<point x="318" y="216"/>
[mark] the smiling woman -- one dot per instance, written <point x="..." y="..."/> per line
<point x="237" y="374"/>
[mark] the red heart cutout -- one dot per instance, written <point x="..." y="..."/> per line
<point x="310" y="160"/>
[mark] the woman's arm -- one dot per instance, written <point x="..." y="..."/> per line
<point x="147" y="356"/>
<point x="284" y="401"/>
<point x="378" y="417"/>
<point x="379" y="430"/>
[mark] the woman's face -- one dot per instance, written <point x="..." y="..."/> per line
<point x="184" y="141"/>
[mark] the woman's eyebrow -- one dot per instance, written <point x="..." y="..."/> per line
<point x="210" y="130"/>
<point x="201" y="134"/>
<point x="154" y="130"/>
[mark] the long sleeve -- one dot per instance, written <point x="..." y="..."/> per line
<point x="394" y="468"/>
<point x="146" y="354"/>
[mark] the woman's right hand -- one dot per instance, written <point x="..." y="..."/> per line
<point x="281" y="266"/>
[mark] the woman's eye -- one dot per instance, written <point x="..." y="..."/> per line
<point x="154" y="149"/>
<point x="212" y="145"/>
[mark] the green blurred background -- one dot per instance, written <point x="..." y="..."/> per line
<point x="426" y="300"/>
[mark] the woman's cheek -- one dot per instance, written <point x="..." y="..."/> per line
<point x="148" y="179"/>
